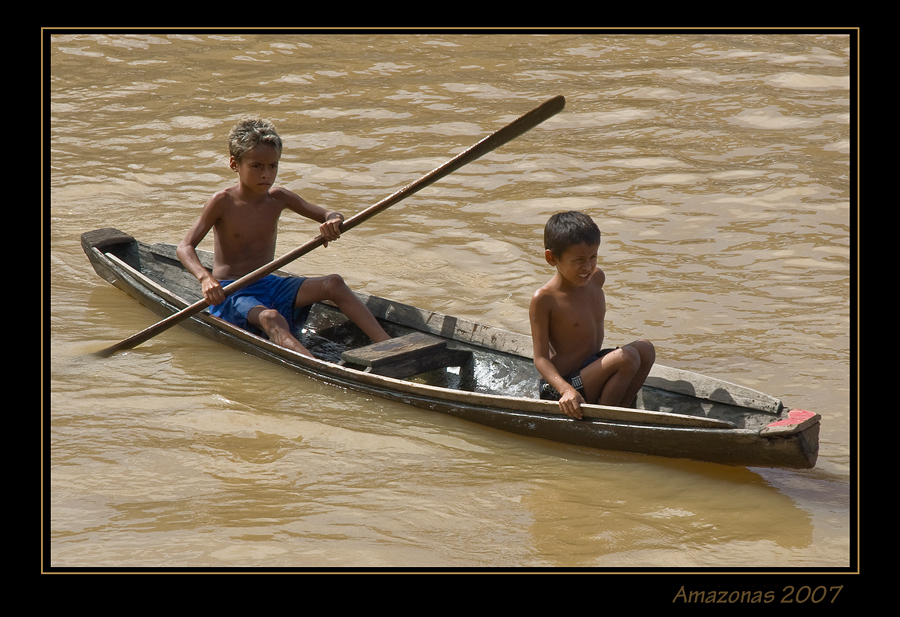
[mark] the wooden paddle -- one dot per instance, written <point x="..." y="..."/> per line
<point x="489" y="143"/>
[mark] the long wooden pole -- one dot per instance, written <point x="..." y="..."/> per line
<point x="489" y="143"/>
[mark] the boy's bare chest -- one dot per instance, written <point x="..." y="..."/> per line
<point x="579" y="316"/>
<point x="591" y="304"/>
<point x="249" y="222"/>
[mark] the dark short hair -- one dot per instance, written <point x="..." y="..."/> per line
<point x="565" y="229"/>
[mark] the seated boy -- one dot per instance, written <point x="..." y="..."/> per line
<point x="567" y="317"/>
<point x="244" y="220"/>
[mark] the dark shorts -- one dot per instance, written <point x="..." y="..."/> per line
<point x="549" y="393"/>
<point x="275" y="292"/>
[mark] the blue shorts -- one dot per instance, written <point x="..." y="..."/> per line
<point x="549" y="393"/>
<point x="274" y="292"/>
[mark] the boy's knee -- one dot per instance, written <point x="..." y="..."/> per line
<point x="270" y="321"/>
<point x="646" y="350"/>
<point x="267" y="317"/>
<point x="334" y="283"/>
<point x="629" y="357"/>
<point x="335" y="287"/>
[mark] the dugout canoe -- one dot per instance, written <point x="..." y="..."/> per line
<point x="479" y="373"/>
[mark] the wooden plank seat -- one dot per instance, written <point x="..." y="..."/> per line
<point x="405" y="356"/>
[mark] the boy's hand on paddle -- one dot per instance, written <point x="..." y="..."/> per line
<point x="212" y="291"/>
<point x="570" y="403"/>
<point x="331" y="229"/>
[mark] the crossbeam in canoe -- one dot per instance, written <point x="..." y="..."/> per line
<point x="405" y="356"/>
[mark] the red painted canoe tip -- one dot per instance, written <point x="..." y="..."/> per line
<point x="795" y="416"/>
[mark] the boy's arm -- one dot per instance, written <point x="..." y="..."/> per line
<point x="330" y="220"/>
<point x="187" y="254"/>
<point x="539" y="314"/>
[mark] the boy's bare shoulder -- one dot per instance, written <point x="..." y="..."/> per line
<point x="223" y="197"/>
<point x="286" y="198"/>
<point x="546" y="292"/>
<point x="279" y="192"/>
<point x="553" y="288"/>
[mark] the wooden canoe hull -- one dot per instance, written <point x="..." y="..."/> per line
<point x="773" y="437"/>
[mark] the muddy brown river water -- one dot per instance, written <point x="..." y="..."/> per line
<point x="718" y="167"/>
